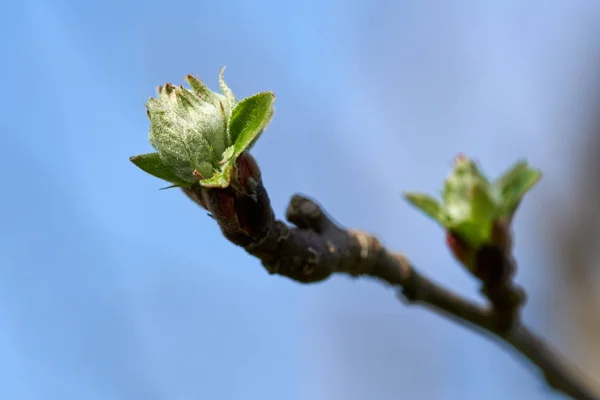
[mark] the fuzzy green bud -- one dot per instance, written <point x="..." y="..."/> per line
<point x="472" y="207"/>
<point x="189" y="129"/>
<point x="199" y="134"/>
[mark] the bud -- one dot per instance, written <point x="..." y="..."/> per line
<point x="199" y="134"/>
<point x="475" y="212"/>
<point x="188" y="131"/>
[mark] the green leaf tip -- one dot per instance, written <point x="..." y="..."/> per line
<point x="152" y="164"/>
<point x="230" y="100"/>
<point x="198" y="134"/>
<point x="249" y="119"/>
<point x="471" y="204"/>
<point x="221" y="179"/>
<point x="514" y="184"/>
<point x="427" y="204"/>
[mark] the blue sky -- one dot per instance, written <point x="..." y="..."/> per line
<point x="110" y="289"/>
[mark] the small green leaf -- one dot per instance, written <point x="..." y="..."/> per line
<point x="426" y="204"/>
<point x="514" y="184"/>
<point x="227" y="155"/>
<point x="510" y="175"/>
<point x="230" y="100"/>
<point x="483" y="211"/>
<point x="152" y="164"/>
<point x="202" y="90"/>
<point x="220" y="179"/>
<point x="464" y="176"/>
<point x="248" y="120"/>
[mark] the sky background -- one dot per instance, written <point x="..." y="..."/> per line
<point x="111" y="289"/>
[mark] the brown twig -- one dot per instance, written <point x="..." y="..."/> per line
<point x="317" y="247"/>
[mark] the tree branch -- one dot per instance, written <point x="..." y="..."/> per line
<point x="317" y="247"/>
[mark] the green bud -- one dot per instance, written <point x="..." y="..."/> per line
<point x="198" y="134"/>
<point x="472" y="205"/>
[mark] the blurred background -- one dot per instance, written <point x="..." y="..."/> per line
<point x="111" y="289"/>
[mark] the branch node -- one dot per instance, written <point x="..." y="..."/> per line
<point x="307" y="214"/>
<point x="273" y="268"/>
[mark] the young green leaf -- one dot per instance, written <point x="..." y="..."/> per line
<point x="202" y="90"/>
<point x="220" y="179"/>
<point x="509" y="175"/>
<point x="483" y="211"/>
<point x="248" y="120"/>
<point x="227" y="155"/>
<point x="152" y="164"/>
<point x="426" y="204"/>
<point x="514" y="185"/>
<point x="230" y="100"/>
